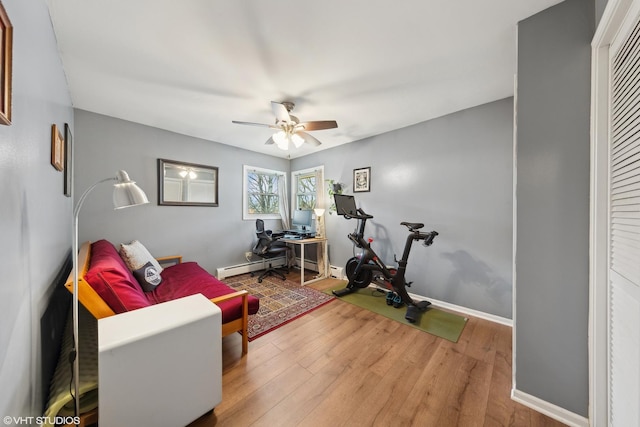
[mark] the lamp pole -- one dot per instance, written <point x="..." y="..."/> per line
<point x="74" y="250"/>
<point x="125" y="194"/>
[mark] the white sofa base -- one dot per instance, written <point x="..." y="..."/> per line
<point x="160" y="365"/>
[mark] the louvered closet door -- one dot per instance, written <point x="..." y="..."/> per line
<point x="624" y="231"/>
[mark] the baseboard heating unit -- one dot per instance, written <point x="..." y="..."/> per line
<point x="248" y="267"/>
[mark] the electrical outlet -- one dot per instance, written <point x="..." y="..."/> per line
<point x="248" y="255"/>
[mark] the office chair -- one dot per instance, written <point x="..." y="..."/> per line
<point x="267" y="247"/>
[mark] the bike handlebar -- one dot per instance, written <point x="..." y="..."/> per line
<point x="360" y="214"/>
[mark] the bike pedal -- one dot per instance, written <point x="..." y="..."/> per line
<point x="390" y="297"/>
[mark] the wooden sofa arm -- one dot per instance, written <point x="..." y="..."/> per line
<point x="172" y="260"/>
<point x="243" y="294"/>
<point x="239" y="324"/>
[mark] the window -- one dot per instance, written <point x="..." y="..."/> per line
<point x="306" y="191"/>
<point x="307" y="188"/>
<point x="261" y="198"/>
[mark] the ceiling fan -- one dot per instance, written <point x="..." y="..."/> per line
<point x="289" y="129"/>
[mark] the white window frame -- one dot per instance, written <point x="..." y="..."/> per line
<point x="245" y="188"/>
<point x="294" y="184"/>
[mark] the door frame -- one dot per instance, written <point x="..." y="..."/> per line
<point x="614" y="19"/>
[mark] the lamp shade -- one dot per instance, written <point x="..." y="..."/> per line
<point x="281" y="140"/>
<point x="126" y="193"/>
<point x="297" y="140"/>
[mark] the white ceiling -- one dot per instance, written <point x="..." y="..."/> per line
<point x="193" y="66"/>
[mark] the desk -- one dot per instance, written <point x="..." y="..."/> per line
<point x="304" y="242"/>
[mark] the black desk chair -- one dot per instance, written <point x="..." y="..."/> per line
<point x="267" y="247"/>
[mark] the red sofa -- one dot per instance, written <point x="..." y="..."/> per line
<point x="107" y="287"/>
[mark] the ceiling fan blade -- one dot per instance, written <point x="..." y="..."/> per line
<point x="319" y="125"/>
<point x="264" y="125"/>
<point x="308" y="138"/>
<point x="280" y="111"/>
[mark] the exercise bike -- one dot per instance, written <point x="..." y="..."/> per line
<point x="361" y="270"/>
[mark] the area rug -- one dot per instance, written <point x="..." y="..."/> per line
<point x="433" y="321"/>
<point x="281" y="301"/>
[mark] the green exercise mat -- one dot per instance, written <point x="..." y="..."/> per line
<point x="433" y="321"/>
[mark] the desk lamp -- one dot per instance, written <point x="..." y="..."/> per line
<point x="319" y="222"/>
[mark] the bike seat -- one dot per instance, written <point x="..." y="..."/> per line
<point x="413" y="225"/>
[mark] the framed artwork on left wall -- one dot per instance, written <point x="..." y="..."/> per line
<point x="6" y="50"/>
<point x="57" y="148"/>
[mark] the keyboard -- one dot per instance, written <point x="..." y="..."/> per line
<point x="292" y="236"/>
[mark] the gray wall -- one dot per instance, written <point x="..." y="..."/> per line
<point x="212" y="236"/>
<point x="35" y="216"/>
<point x="552" y="249"/>
<point x="600" y="6"/>
<point x="454" y="174"/>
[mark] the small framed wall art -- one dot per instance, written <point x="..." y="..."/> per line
<point x="362" y="180"/>
<point x="57" y="148"/>
<point x="6" y="49"/>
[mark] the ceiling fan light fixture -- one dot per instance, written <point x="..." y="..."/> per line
<point x="281" y="139"/>
<point x="289" y="130"/>
<point x="297" y="140"/>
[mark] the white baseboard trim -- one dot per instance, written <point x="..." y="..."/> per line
<point x="458" y="308"/>
<point x="224" y="272"/>
<point x="464" y="310"/>
<point x="248" y="267"/>
<point x="549" y="409"/>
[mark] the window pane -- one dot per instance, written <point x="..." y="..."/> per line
<point x="306" y="202"/>
<point x="262" y="193"/>
<point x="263" y="204"/>
<point x="263" y="183"/>
<point x="306" y="192"/>
<point x="307" y="184"/>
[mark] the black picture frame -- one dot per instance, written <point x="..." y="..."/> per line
<point x="68" y="156"/>
<point x="362" y="180"/>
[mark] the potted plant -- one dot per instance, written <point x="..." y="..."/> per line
<point x="334" y="188"/>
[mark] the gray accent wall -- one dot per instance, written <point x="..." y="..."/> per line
<point x="600" y="5"/>
<point x="35" y="216"/>
<point x="212" y="236"/>
<point x="454" y="174"/>
<point x="552" y="233"/>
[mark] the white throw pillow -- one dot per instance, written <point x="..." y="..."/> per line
<point x="135" y="255"/>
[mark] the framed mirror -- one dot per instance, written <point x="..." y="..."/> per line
<point x="187" y="184"/>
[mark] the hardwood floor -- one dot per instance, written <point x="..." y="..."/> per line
<point x="343" y="365"/>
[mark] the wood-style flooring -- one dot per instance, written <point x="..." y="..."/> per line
<point x="341" y="365"/>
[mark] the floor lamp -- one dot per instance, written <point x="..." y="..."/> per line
<point x="125" y="194"/>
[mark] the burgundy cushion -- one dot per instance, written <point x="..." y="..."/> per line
<point x="111" y="279"/>
<point x="189" y="278"/>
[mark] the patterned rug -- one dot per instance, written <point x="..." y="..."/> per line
<point x="281" y="301"/>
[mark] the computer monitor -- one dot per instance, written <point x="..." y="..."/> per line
<point x="302" y="220"/>
<point x="345" y="205"/>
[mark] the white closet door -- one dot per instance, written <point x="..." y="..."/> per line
<point x="624" y="230"/>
